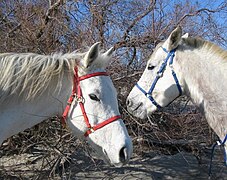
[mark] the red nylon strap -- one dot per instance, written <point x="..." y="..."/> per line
<point x="81" y="78"/>
<point x="66" y="111"/>
<point x="71" y="98"/>
<point x="85" y="115"/>
<point x="102" y="124"/>
<point x="76" y="92"/>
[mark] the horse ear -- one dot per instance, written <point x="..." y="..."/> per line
<point x="186" y="35"/>
<point x="109" y="52"/>
<point x="107" y="56"/>
<point x="92" y="54"/>
<point x="174" y="38"/>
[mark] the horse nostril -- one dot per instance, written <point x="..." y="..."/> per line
<point x="123" y="155"/>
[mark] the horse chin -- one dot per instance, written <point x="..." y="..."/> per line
<point x="118" y="165"/>
<point x="149" y="113"/>
<point x="108" y="162"/>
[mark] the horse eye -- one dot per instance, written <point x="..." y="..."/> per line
<point x="150" y="67"/>
<point x="94" y="97"/>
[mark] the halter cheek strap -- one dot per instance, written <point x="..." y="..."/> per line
<point x="78" y="96"/>
<point x="170" y="56"/>
<point x="149" y="96"/>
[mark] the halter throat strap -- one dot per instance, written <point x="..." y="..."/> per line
<point x="169" y="58"/>
<point x="78" y="96"/>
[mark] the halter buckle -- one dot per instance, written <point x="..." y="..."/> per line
<point x="159" y="74"/>
<point x="219" y="143"/>
<point x="148" y="95"/>
<point x="171" y="66"/>
<point x="80" y="99"/>
<point x="91" y="129"/>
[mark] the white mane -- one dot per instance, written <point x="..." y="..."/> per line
<point x="31" y="73"/>
<point x="208" y="46"/>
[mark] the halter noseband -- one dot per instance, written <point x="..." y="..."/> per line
<point x="170" y="56"/>
<point x="77" y="95"/>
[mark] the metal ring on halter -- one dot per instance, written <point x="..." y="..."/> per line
<point x="80" y="99"/>
<point x="91" y="129"/>
<point x="69" y="103"/>
<point x="171" y="66"/>
<point x="148" y="95"/>
<point x="159" y="74"/>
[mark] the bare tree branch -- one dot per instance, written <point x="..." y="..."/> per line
<point x="195" y="14"/>
<point x="138" y="18"/>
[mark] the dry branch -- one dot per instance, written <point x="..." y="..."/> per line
<point x="138" y="18"/>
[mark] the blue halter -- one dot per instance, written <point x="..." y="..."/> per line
<point x="170" y="56"/>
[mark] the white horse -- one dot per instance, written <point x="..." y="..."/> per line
<point x="34" y="87"/>
<point x="189" y="66"/>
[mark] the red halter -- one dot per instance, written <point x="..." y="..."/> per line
<point x="77" y="93"/>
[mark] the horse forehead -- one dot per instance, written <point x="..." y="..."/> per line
<point x="108" y="86"/>
<point x="101" y="84"/>
<point x="157" y="54"/>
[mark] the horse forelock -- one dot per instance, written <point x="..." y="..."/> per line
<point x="30" y="74"/>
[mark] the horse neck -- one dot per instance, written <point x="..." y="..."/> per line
<point x="203" y="76"/>
<point x="18" y="114"/>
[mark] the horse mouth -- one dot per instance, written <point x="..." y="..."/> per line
<point x="139" y="105"/>
<point x="135" y="108"/>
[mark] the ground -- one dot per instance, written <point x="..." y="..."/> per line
<point x="149" y="166"/>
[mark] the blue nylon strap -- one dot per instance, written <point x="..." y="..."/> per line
<point x="220" y="143"/>
<point x="164" y="49"/>
<point x="149" y="96"/>
<point x="153" y="85"/>
<point x="174" y="74"/>
<point x="163" y="66"/>
<point x="225" y="152"/>
<point x="177" y="83"/>
<point x="159" y="74"/>
<point x="170" y="55"/>
<point x="153" y="101"/>
<point x="141" y="89"/>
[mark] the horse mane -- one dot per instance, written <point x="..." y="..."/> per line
<point x="203" y="44"/>
<point x="31" y="73"/>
